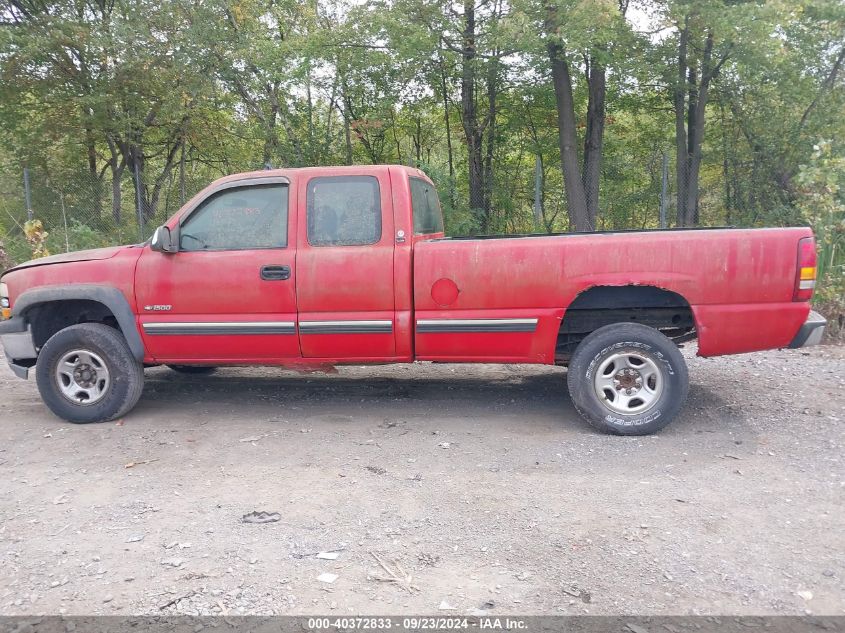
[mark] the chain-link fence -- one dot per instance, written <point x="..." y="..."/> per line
<point x="42" y="212"/>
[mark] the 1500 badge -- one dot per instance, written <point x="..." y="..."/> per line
<point x="158" y="308"/>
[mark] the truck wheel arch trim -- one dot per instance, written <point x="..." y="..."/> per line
<point x="635" y="288"/>
<point x="110" y="297"/>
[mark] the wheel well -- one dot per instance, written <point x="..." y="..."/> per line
<point x="598" y="306"/>
<point x="49" y="317"/>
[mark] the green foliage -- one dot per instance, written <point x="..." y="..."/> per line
<point x="821" y="202"/>
<point x="193" y="91"/>
<point x="78" y="237"/>
<point x="5" y="260"/>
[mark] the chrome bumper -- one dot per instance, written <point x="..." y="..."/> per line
<point x="16" y="339"/>
<point x="811" y="332"/>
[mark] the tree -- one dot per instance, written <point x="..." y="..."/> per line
<point x="697" y="66"/>
<point x="119" y="75"/>
<point x="776" y="104"/>
<point x="564" y="23"/>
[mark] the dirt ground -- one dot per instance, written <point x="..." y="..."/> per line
<point x="477" y="487"/>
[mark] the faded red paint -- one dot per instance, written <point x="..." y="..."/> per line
<point x="739" y="283"/>
<point x="444" y="292"/>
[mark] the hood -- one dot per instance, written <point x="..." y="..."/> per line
<point x="76" y="256"/>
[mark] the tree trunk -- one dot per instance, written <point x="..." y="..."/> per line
<point x="310" y="110"/>
<point x="93" y="173"/>
<point x="681" y="171"/>
<point x="117" y="165"/>
<point x="539" y="191"/>
<point x="347" y="133"/>
<point x="271" y="134"/>
<point x="116" y="194"/>
<point x="690" y="203"/>
<point x="576" y="199"/>
<point x="594" y="137"/>
<point x="487" y="178"/>
<point x="444" y="90"/>
<point x="271" y="142"/>
<point x="472" y="130"/>
<point x="135" y="159"/>
<point x="692" y="97"/>
<point x="396" y="142"/>
<point x="149" y="196"/>
<point x="418" y="140"/>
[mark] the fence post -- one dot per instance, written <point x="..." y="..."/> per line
<point x="663" y="190"/>
<point x="138" y="201"/>
<point x="27" y="193"/>
<point x="64" y="217"/>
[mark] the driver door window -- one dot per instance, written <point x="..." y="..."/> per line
<point x="244" y="218"/>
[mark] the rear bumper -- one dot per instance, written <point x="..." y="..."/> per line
<point x="811" y="332"/>
<point x="16" y="339"/>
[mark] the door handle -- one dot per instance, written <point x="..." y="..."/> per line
<point x="275" y="273"/>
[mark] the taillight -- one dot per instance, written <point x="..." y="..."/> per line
<point x="805" y="277"/>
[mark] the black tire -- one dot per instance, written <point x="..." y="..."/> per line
<point x="196" y="370"/>
<point x="598" y="351"/>
<point x="126" y="375"/>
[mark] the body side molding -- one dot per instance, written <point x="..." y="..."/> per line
<point x="346" y="327"/>
<point x="164" y="328"/>
<point x="433" y="326"/>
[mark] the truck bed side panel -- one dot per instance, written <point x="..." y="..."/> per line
<point x="738" y="282"/>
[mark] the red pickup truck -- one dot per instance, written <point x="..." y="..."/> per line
<point x="325" y="266"/>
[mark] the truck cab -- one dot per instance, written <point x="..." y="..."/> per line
<point x="290" y="265"/>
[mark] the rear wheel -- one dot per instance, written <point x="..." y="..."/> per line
<point x="193" y="369"/>
<point x="87" y="373"/>
<point x="628" y="379"/>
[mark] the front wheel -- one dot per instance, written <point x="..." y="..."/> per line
<point x="628" y="379"/>
<point x="87" y="373"/>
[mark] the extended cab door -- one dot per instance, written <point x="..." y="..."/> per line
<point x="229" y="293"/>
<point x="344" y="284"/>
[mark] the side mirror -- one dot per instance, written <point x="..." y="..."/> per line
<point x="162" y="241"/>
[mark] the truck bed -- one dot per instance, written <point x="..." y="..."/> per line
<point x="738" y="283"/>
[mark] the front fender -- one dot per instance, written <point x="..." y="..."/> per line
<point x="110" y="297"/>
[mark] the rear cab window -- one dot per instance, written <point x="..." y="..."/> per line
<point x="343" y="211"/>
<point x="428" y="216"/>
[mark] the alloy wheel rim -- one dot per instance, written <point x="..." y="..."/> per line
<point x="628" y="383"/>
<point x="82" y="377"/>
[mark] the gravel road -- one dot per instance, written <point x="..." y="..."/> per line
<point x="440" y="488"/>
